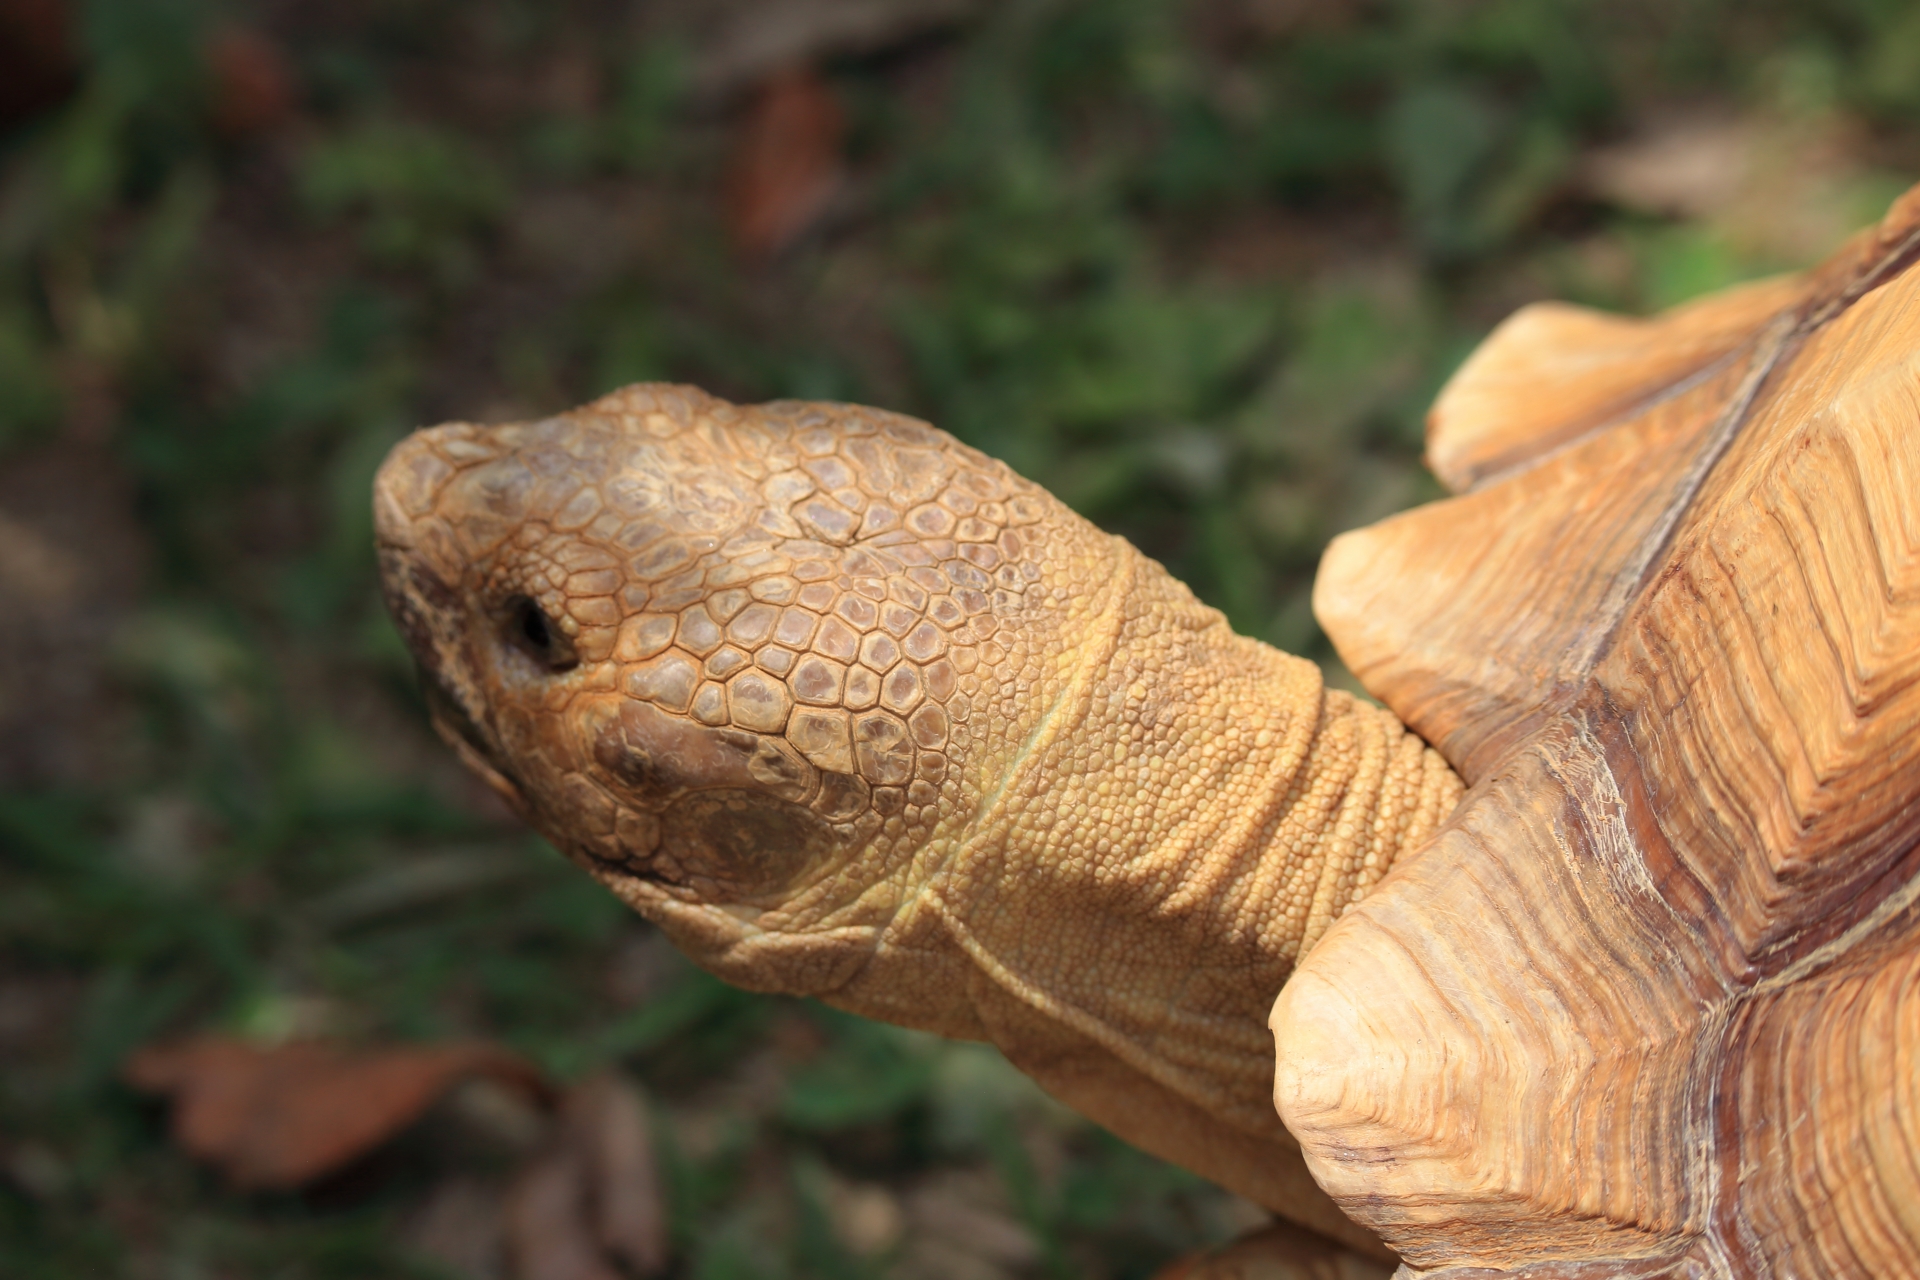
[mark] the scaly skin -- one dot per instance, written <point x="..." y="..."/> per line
<point x="852" y="711"/>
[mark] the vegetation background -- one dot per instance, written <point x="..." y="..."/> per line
<point x="1196" y="266"/>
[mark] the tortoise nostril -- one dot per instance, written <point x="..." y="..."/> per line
<point x="530" y="629"/>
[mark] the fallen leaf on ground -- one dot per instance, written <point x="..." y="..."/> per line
<point x="37" y="64"/>
<point x="606" y="1120"/>
<point x="459" y="1228"/>
<point x="1694" y="166"/>
<point x="276" y="1117"/>
<point x="786" y="166"/>
<point x="73" y="564"/>
<point x="867" y="1217"/>
<point x="594" y="1196"/>
<point x="548" y="1235"/>
<point x="959" y="1226"/>
<point x="1776" y="187"/>
<point x="253" y="87"/>
<point x="746" y="39"/>
<point x="1279" y="1251"/>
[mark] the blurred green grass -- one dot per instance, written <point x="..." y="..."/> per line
<point x="1196" y="267"/>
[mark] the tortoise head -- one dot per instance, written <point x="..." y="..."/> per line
<point x="853" y="711"/>
<point x="721" y="657"/>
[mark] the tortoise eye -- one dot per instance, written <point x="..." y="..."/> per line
<point x="534" y="633"/>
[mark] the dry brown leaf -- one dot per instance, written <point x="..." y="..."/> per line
<point x="959" y="1226"/>
<point x="73" y="559"/>
<point x="866" y="1217"/>
<point x="459" y="1228"/>
<point x="786" y="166"/>
<point x="593" y="1197"/>
<point x="282" y="1116"/>
<point x="253" y="86"/>
<point x="37" y="64"/>
<point x="606" y="1123"/>
<point x="1280" y="1251"/>
<point x="548" y="1234"/>
<point x="1781" y="188"/>
<point x="1694" y="166"/>
<point x="740" y="41"/>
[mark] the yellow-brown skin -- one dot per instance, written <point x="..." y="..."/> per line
<point x="852" y="711"/>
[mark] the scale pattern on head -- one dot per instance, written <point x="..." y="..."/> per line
<point x="723" y="650"/>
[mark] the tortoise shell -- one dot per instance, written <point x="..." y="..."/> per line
<point x="1649" y="1004"/>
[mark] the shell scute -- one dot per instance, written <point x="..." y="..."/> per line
<point x="1651" y="1002"/>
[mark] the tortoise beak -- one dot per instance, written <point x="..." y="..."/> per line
<point x="458" y="730"/>
<point x="417" y="579"/>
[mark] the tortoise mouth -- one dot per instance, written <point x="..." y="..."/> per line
<point x="458" y="729"/>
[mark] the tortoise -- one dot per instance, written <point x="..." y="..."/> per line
<point x="1595" y="950"/>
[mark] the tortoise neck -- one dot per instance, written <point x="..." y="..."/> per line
<point x="1197" y="811"/>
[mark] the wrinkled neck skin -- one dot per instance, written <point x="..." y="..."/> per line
<point x="852" y="711"/>
<point x="1168" y="817"/>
